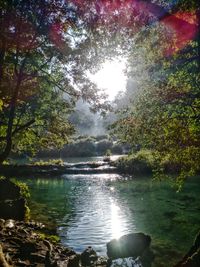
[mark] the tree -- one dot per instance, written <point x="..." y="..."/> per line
<point x="165" y="113"/>
<point x="40" y="72"/>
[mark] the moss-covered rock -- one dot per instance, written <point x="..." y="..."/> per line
<point x="13" y="203"/>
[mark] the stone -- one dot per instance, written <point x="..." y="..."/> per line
<point x="88" y="257"/>
<point x="73" y="261"/>
<point x="3" y="261"/>
<point x="8" y="190"/>
<point x="102" y="261"/>
<point x="9" y="224"/>
<point x="131" y="245"/>
<point x="12" y="204"/>
<point x="26" y="247"/>
<point x="126" y="262"/>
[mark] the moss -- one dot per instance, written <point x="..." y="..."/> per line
<point x="59" y="162"/>
<point x="52" y="238"/>
<point x="25" y="193"/>
<point x="24" y="190"/>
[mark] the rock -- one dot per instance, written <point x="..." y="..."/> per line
<point x="12" y="204"/>
<point x="102" y="261"/>
<point x="126" y="262"/>
<point x="14" y="209"/>
<point x="27" y="247"/>
<point x="8" y="190"/>
<point x="73" y="261"/>
<point x="88" y="257"/>
<point x="9" y="224"/>
<point x="3" y="261"/>
<point x="131" y="245"/>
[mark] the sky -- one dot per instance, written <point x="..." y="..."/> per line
<point x="110" y="77"/>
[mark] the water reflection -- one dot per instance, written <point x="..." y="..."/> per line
<point x="97" y="216"/>
<point x="116" y="223"/>
<point x="93" y="209"/>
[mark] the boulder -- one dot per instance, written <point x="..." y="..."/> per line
<point x="12" y="204"/>
<point x="131" y="245"/>
<point x="8" y="190"/>
<point x="15" y="209"/>
<point x="88" y="257"/>
<point x="73" y="261"/>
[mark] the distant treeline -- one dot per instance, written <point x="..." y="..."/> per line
<point x="85" y="146"/>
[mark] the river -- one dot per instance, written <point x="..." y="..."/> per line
<point x="92" y="209"/>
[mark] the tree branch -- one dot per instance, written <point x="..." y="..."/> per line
<point x="24" y="126"/>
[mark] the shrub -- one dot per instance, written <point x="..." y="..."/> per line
<point x="139" y="163"/>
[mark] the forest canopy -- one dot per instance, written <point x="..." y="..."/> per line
<point x="47" y="47"/>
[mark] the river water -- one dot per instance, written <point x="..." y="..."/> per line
<point x="93" y="209"/>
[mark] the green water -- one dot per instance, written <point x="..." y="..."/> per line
<point x="93" y="209"/>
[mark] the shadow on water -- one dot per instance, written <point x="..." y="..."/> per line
<point x="92" y="209"/>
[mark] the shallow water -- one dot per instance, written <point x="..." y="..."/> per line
<point x="93" y="209"/>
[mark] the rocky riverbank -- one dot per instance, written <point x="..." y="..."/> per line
<point x="25" y="244"/>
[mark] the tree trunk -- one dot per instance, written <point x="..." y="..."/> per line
<point x="13" y="102"/>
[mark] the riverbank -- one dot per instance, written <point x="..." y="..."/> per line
<point x="47" y="170"/>
<point x="26" y="244"/>
<point x="167" y="254"/>
<point x="138" y="164"/>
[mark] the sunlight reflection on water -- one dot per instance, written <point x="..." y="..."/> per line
<point x="98" y="217"/>
<point x="116" y="224"/>
<point x="90" y="210"/>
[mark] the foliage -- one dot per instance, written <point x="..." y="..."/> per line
<point x="49" y="162"/>
<point x="42" y="45"/>
<point x="88" y="146"/>
<point x="52" y="238"/>
<point x="24" y="190"/>
<point x="140" y="163"/>
<point x="165" y="111"/>
<point x="108" y="153"/>
<point x="24" y="193"/>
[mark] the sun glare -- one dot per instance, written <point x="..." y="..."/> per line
<point x="111" y="77"/>
<point x="115" y="221"/>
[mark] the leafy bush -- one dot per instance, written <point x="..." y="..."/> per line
<point x="139" y="163"/>
<point x="24" y="190"/>
<point x="49" y="162"/>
